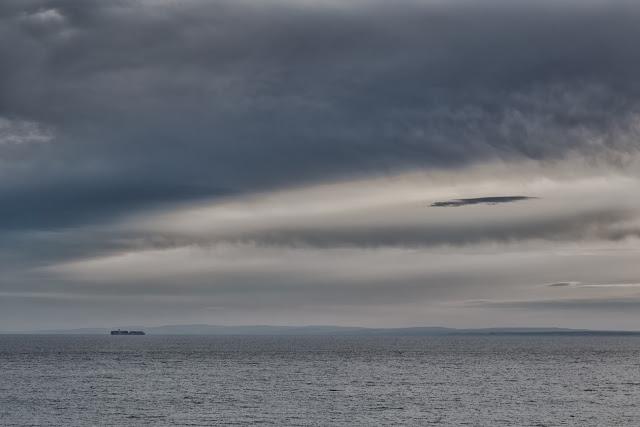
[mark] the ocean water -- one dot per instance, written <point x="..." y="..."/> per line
<point x="362" y="381"/>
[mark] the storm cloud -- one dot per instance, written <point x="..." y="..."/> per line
<point x="144" y="97"/>
<point x="148" y="127"/>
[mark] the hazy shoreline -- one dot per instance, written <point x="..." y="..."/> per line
<point x="266" y="330"/>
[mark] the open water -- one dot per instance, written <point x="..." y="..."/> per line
<point x="361" y="381"/>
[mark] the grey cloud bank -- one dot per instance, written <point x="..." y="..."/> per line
<point x="133" y="130"/>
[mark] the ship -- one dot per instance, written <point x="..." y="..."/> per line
<point x="121" y="332"/>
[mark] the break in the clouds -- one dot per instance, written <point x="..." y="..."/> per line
<point x="17" y="132"/>
<point x="276" y="162"/>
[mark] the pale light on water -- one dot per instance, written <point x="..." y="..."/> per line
<point x="172" y="380"/>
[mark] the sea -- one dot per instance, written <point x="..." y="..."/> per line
<point x="68" y="380"/>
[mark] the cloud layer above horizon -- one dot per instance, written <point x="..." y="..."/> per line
<point x="456" y="163"/>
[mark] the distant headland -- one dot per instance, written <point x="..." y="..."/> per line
<point x="327" y="330"/>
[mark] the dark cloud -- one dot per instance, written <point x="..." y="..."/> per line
<point x="199" y="96"/>
<point x="495" y="200"/>
<point x="563" y="284"/>
<point x="54" y="206"/>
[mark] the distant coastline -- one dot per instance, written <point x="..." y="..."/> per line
<point x="266" y="330"/>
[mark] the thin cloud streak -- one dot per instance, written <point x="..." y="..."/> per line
<point x="592" y="285"/>
<point x="487" y="200"/>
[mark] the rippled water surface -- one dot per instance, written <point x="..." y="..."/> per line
<point x="170" y="380"/>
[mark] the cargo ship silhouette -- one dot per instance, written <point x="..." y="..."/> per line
<point x="119" y="332"/>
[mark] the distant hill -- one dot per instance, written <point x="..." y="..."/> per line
<point x="330" y="330"/>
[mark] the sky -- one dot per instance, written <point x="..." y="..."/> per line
<point x="458" y="163"/>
